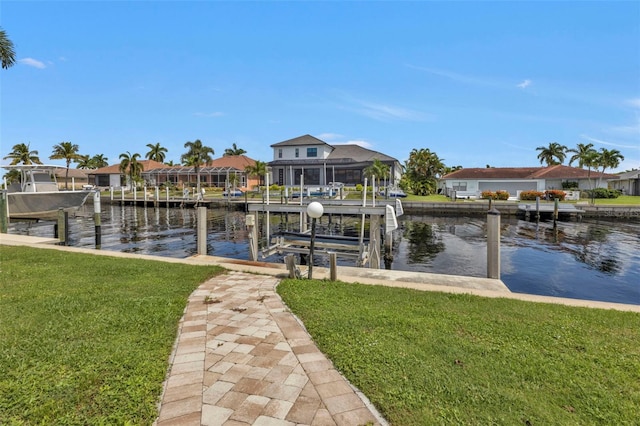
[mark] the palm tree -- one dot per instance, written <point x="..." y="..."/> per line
<point x="84" y="162"/>
<point x="99" y="160"/>
<point x="21" y="153"/>
<point x="197" y="155"/>
<point x="234" y="150"/>
<point x="378" y="170"/>
<point x="423" y="168"/>
<point x="156" y="152"/>
<point x="258" y="169"/>
<point x="7" y="54"/>
<point x="553" y="154"/>
<point x="68" y="152"/>
<point x="130" y="166"/>
<point x="581" y="153"/>
<point x="609" y="158"/>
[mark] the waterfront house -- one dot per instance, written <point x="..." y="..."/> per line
<point x="77" y="178"/>
<point x="627" y="182"/>
<point x="470" y="183"/>
<point x="215" y="173"/>
<point x="321" y="163"/>
<point x="111" y="176"/>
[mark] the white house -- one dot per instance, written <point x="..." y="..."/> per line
<point x="628" y="182"/>
<point x="472" y="182"/>
<point x="321" y="163"/>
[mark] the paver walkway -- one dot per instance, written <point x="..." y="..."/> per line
<point x="243" y="359"/>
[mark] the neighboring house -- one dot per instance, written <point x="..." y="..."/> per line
<point x="111" y="176"/>
<point x="77" y="177"/>
<point x="628" y="182"/>
<point x="321" y="163"/>
<point x="471" y="182"/>
<point x="214" y="174"/>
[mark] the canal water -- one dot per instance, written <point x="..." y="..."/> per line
<point x="590" y="259"/>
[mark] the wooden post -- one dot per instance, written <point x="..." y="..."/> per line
<point x="111" y="194"/>
<point x="97" y="220"/>
<point x="167" y="191"/>
<point x="555" y="212"/>
<point x="493" y="244"/>
<point x="4" y="217"/>
<point x="122" y="195"/>
<point x="333" y="266"/>
<point x="252" y="228"/>
<point x="374" y="241"/>
<point x="537" y="208"/>
<point x="156" y="199"/>
<point x="388" y="250"/>
<point x="201" y="236"/>
<point x="290" y="261"/>
<point x="63" y="227"/>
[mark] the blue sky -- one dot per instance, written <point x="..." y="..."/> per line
<point x="475" y="82"/>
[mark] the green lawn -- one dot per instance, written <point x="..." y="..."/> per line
<point x="86" y="339"/>
<point x="428" y="358"/>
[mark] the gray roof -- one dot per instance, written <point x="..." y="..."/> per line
<point x="633" y="174"/>
<point x="301" y="140"/>
<point x="356" y="153"/>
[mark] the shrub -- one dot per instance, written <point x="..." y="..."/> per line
<point x="488" y="195"/>
<point x="502" y="195"/>
<point x="552" y="194"/>
<point x="603" y="193"/>
<point x="359" y="187"/>
<point x="530" y="195"/>
<point x="569" y="185"/>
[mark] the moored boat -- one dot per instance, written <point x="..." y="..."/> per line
<point x="37" y="195"/>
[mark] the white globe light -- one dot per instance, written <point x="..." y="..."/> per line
<point x="315" y="210"/>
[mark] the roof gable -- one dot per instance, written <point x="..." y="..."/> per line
<point x="115" y="168"/>
<point x="238" y="162"/>
<point x="301" y="140"/>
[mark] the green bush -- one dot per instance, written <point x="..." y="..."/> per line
<point x="602" y="193"/>
<point x="569" y="185"/>
<point x="359" y="187"/>
<point x="531" y="195"/>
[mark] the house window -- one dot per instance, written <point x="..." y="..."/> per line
<point x="279" y="152"/>
<point x="459" y="186"/>
<point x="297" y="152"/>
<point x="312" y="152"/>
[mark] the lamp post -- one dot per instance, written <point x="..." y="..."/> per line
<point x="314" y="210"/>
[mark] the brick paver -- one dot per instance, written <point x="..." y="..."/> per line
<point x="241" y="358"/>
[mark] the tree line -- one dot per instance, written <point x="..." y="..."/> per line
<point x="196" y="156"/>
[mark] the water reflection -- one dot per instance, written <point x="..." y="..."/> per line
<point x="590" y="259"/>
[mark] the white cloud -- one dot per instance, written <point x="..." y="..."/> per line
<point x="32" y="63"/>
<point x="363" y="144"/>
<point x="634" y="102"/>
<point x="526" y="83"/>
<point x="461" y="78"/>
<point x="329" y="136"/>
<point x="379" y="111"/>
<point x="209" y="114"/>
<point x="617" y="145"/>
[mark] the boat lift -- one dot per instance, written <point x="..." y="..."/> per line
<point x="363" y="251"/>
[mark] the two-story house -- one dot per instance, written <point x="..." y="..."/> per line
<point x="321" y="163"/>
